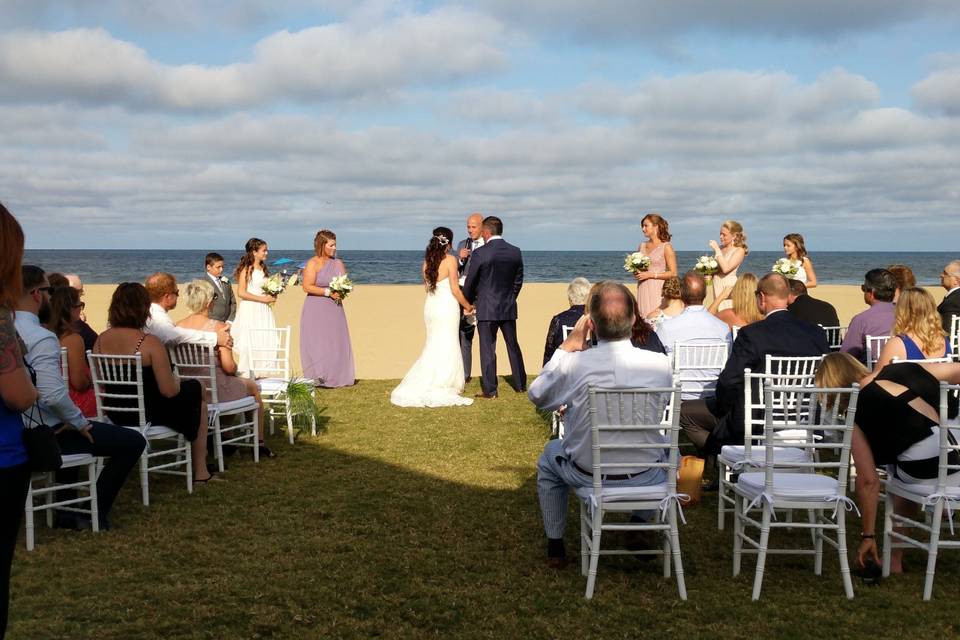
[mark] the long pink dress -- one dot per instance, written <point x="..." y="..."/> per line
<point x="325" y="350"/>
<point x="650" y="292"/>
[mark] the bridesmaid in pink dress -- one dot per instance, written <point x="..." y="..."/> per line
<point x="325" y="350"/>
<point x="663" y="262"/>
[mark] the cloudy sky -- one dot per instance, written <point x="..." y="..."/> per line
<point x="197" y="124"/>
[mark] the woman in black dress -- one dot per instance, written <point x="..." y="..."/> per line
<point x="171" y="402"/>
<point x="896" y="412"/>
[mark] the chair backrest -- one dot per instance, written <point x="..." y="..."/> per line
<point x="734" y="330"/>
<point x="784" y="404"/>
<point x="788" y="367"/>
<point x="697" y="364"/>
<point x="946" y="359"/>
<point x="947" y="444"/>
<point x="628" y="435"/>
<point x="954" y="334"/>
<point x="834" y="336"/>
<point x="872" y="345"/>
<point x="825" y="415"/>
<point x="118" y="385"/>
<point x="269" y="353"/>
<point x="64" y="365"/>
<point x="566" y="329"/>
<point x="196" y="362"/>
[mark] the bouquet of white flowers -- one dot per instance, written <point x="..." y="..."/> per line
<point x="785" y="267"/>
<point x="274" y="285"/>
<point x="636" y="262"/>
<point x="342" y="285"/>
<point x="706" y="266"/>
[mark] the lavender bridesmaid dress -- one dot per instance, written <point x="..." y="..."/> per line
<point x="325" y="351"/>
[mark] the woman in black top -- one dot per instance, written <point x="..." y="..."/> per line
<point x="896" y="412"/>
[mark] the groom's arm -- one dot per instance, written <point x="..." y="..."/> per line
<point x="518" y="278"/>
<point x="470" y="284"/>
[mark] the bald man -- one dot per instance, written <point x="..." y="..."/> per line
<point x="950" y="280"/>
<point x="468" y="325"/>
<point x="713" y="422"/>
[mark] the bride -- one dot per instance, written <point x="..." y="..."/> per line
<point x="436" y="378"/>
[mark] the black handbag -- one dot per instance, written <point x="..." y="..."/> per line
<point x="40" y="441"/>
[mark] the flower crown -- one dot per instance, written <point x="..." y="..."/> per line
<point x="442" y="240"/>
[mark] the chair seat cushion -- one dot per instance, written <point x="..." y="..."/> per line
<point x="235" y="406"/>
<point x="918" y="491"/>
<point x="790" y="486"/>
<point x="734" y="453"/>
<point x="159" y="431"/>
<point x="625" y="494"/>
<point x="76" y="459"/>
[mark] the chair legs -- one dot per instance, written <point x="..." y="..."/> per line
<point x="762" y="551"/>
<point x="50" y="486"/>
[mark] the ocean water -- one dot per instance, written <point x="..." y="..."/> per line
<point x="403" y="267"/>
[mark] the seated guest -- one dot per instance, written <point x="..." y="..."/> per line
<point x="164" y="293"/>
<point x="224" y="307"/>
<point x="577" y="292"/>
<point x="950" y="280"/>
<point x="171" y="402"/>
<point x="565" y="380"/>
<point x="896" y="412"/>
<point x="917" y="334"/>
<point x="878" y="288"/>
<point x="200" y="299"/>
<point x="80" y="326"/>
<point x="807" y="308"/>
<point x="643" y="336"/>
<point x="670" y="304"/>
<point x="904" y="277"/>
<point x="65" y="307"/>
<point x="57" y="280"/>
<point x="743" y="297"/>
<point x="713" y="422"/>
<point x="75" y="433"/>
<point x="694" y="324"/>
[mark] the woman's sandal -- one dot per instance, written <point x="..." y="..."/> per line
<point x="213" y="478"/>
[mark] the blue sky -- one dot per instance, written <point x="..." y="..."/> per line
<point x="200" y="124"/>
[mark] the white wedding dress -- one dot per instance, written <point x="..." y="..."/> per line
<point x="436" y="378"/>
<point x="252" y="315"/>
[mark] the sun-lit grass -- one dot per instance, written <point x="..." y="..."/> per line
<point x="404" y="523"/>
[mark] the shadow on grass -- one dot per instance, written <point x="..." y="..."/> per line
<point x="409" y="523"/>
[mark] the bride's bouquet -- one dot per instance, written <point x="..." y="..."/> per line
<point x="274" y="285"/>
<point x="341" y="284"/>
<point x="706" y="266"/>
<point x="636" y="262"/>
<point x="785" y="267"/>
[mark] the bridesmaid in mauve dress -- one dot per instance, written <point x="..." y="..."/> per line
<point x="325" y="351"/>
<point x="663" y="263"/>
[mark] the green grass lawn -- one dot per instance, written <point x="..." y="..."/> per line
<point x="402" y="523"/>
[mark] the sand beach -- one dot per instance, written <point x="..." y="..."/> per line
<point x="386" y="321"/>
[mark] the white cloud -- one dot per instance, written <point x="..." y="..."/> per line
<point x="629" y="20"/>
<point x="329" y="62"/>
<point x="940" y="91"/>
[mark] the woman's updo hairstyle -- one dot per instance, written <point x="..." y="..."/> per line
<point x="436" y="251"/>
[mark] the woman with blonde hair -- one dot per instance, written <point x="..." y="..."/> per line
<point x="663" y="262"/>
<point x="670" y="304"/>
<point x="796" y="252"/>
<point x="325" y="351"/>
<point x="199" y="300"/>
<point x="917" y="330"/>
<point x="729" y="254"/>
<point x="742" y="298"/>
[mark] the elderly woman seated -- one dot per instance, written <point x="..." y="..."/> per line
<point x="577" y="292"/>
<point x="199" y="300"/>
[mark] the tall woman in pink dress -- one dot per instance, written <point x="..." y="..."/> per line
<point x="663" y="262"/>
<point x="325" y="350"/>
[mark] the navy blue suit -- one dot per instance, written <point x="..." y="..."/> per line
<point x="493" y="282"/>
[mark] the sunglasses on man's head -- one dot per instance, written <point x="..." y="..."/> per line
<point x="47" y="289"/>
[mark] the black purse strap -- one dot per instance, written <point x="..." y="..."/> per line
<point x="34" y="416"/>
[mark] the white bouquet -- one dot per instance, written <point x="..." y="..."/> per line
<point x="785" y="267"/>
<point x="706" y="266"/>
<point x="341" y="284"/>
<point x="636" y="262"/>
<point x="274" y="285"/>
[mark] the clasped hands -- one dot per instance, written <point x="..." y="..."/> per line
<point x="224" y="339"/>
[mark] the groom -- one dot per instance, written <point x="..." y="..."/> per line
<point x="493" y="283"/>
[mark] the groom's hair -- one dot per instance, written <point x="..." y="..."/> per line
<point x="611" y="310"/>
<point x="494" y="225"/>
